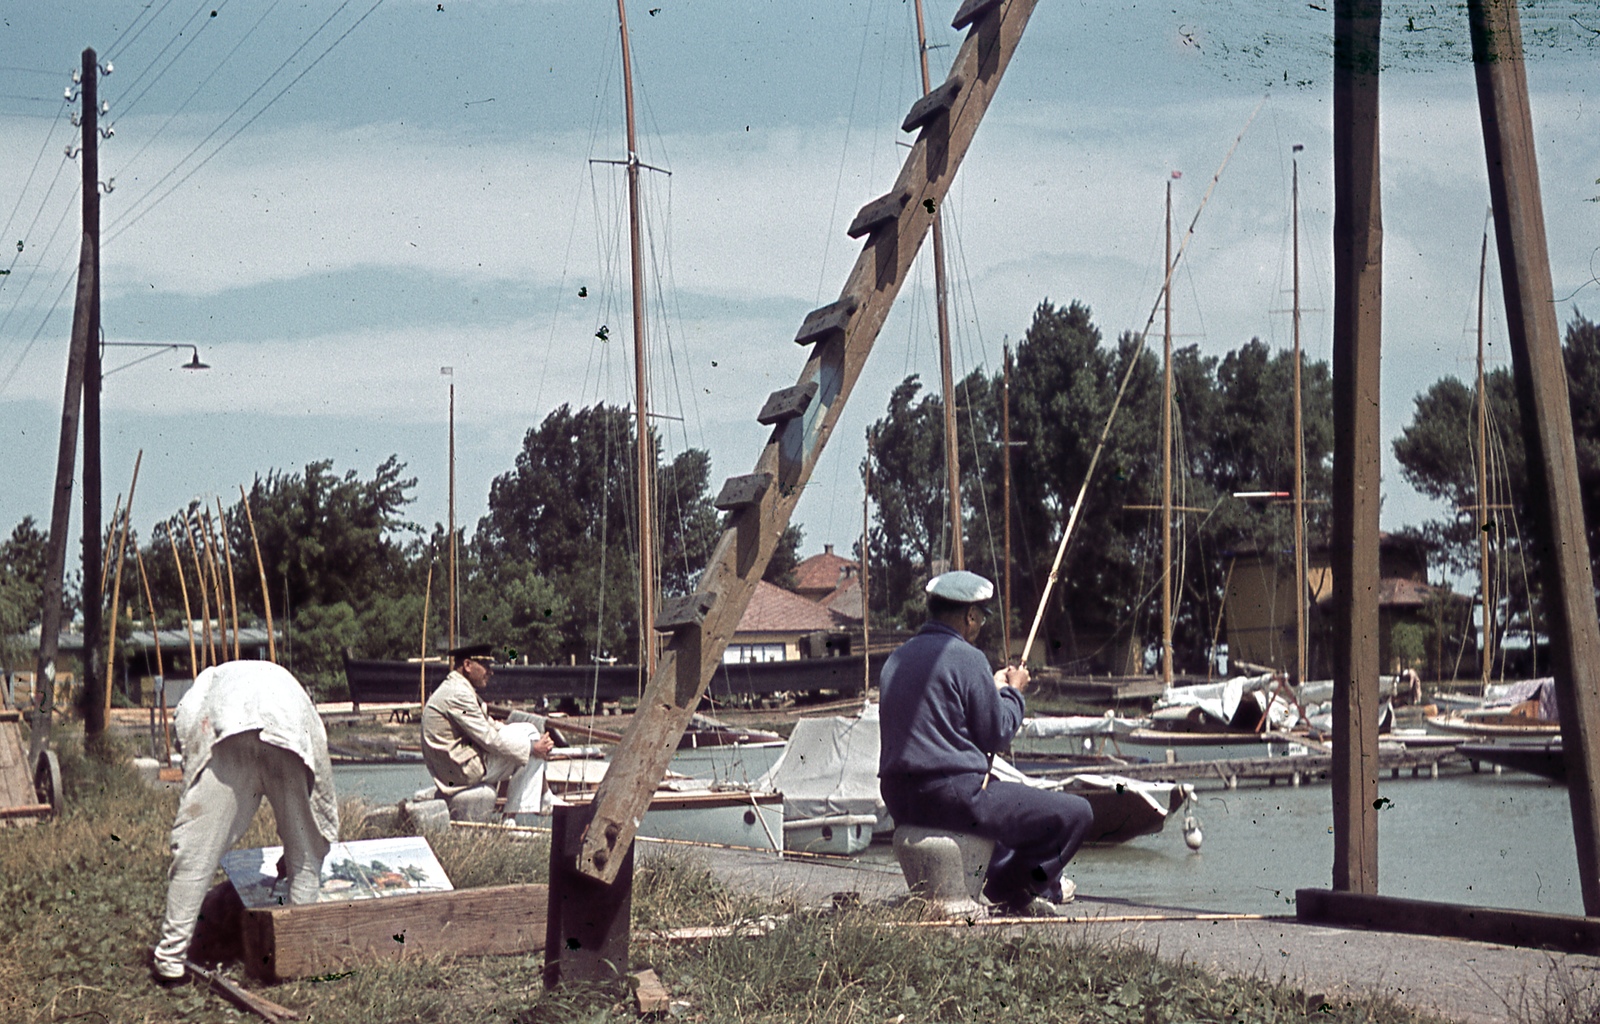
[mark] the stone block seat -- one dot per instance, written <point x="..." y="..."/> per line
<point x="943" y="867"/>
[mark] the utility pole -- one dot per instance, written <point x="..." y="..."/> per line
<point x="94" y="681"/>
<point x="85" y="326"/>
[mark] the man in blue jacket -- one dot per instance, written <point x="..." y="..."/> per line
<point x="944" y="715"/>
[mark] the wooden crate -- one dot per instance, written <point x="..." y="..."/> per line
<point x="326" y="938"/>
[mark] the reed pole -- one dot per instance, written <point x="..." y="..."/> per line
<point x="161" y="670"/>
<point x="866" y="560"/>
<point x="205" y="599"/>
<point x="116" y="587"/>
<point x="105" y="561"/>
<point x="188" y="613"/>
<point x="1166" y="459"/>
<point x="1302" y="658"/>
<point x="261" y="570"/>
<point x="1484" y="590"/>
<point x="216" y="581"/>
<point x="227" y="555"/>
<point x="422" y="673"/>
<point x="1005" y="500"/>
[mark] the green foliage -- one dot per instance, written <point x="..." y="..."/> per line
<point x="558" y="551"/>
<point x="22" y="562"/>
<point x="1232" y="430"/>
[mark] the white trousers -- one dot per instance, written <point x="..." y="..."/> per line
<point x="526" y="793"/>
<point x="215" y="813"/>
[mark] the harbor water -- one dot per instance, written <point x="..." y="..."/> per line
<point x="1484" y="839"/>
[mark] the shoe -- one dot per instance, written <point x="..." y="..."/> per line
<point x="166" y="981"/>
<point x="1033" y="906"/>
<point x="1069" y="891"/>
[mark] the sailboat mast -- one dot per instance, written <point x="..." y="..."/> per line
<point x="453" y="586"/>
<point x="1166" y="462"/>
<point x="1300" y="659"/>
<point x="952" y="461"/>
<point x="1484" y="583"/>
<point x="1005" y="500"/>
<point x="646" y="451"/>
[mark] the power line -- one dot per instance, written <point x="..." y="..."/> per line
<point x="292" y="82"/>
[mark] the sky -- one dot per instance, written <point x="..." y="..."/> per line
<point x="331" y="202"/>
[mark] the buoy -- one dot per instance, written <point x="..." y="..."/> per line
<point x="1191" y="833"/>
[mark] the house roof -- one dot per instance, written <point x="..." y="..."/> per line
<point x="1400" y="592"/>
<point x="845" y="602"/>
<point x="775" y="610"/>
<point x="822" y="573"/>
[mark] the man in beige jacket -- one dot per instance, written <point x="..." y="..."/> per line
<point x="466" y="751"/>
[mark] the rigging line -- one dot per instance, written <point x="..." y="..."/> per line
<point x="145" y="70"/>
<point x="5" y="232"/>
<point x="173" y="116"/>
<point x="114" y="51"/>
<point x="844" y="151"/>
<point x="1133" y="363"/>
<point x="117" y="231"/>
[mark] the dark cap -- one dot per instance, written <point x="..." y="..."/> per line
<point x="474" y="652"/>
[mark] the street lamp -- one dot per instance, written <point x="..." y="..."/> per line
<point x="96" y="679"/>
<point x="194" y="362"/>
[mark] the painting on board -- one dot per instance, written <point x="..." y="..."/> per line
<point x="357" y="870"/>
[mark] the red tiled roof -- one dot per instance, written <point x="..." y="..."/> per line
<point x="775" y="610"/>
<point x="845" y="602"/>
<point x="822" y="573"/>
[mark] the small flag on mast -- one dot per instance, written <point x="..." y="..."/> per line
<point x="1176" y="175"/>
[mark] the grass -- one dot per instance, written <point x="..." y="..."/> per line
<point x="81" y="898"/>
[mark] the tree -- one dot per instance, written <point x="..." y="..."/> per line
<point x="22" y="568"/>
<point x="566" y="514"/>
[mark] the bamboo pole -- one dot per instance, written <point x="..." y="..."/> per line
<point x="105" y="560"/>
<point x="1122" y="389"/>
<point x="188" y="615"/>
<point x="116" y="587"/>
<point x="161" y="671"/>
<point x="261" y="569"/>
<point x="866" y="558"/>
<point x="205" y="600"/>
<point x="427" y="599"/>
<point x="214" y="565"/>
<point x="227" y="555"/>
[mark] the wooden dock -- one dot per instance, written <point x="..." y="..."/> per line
<point x="1293" y="770"/>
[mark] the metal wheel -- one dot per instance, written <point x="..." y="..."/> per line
<point x="47" y="781"/>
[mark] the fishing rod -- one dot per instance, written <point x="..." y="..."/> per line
<point x="1127" y="376"/>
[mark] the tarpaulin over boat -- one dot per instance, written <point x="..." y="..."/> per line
<point x="830" y="767"/>
<point x="1076" y="725"/>
<point x="1506" y="695"/>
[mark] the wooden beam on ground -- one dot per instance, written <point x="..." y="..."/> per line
<point x="1420" y="917"/>
<point x="1357" y="451"/>
<point x="323" y="938"/>
<point x="1541" y="382"/>
<point x="834" y="363"/>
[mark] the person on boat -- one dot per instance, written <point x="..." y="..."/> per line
<point x="247" y="730"/>
<point x="469" y="754"/>
<point x="944" y="716"/>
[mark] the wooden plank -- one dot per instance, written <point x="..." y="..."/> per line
<point x="1541" y="381"/>
<point x="1357" y="453"/>
<point x="1421" y="917"/>
<point x="321" y="938"/>
<point x="791" y="453"/>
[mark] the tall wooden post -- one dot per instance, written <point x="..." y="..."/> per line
<point x="1541" y="381"/>
<point x="94" y="681"/>
<point x="1357" y="326"/>
<point x="83" y="332"/>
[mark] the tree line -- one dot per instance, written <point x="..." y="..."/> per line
<point x="550" y="570"/>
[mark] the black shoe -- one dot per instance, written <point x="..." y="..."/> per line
<point x="1033" y="906"/>
<point x="162" y="981"/>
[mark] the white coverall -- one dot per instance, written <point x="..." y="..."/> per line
<point x="247" y="730"/>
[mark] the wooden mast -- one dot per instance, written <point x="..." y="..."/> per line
<point x="952" y="450"/>
<point x="451" y="628"/>
<point x="1300" y="649"/>
<point x="1484" y="588"/>
<point x="1005" y="500"/>
<point x="1166" y="461"/>
<point x="641" y="377"/>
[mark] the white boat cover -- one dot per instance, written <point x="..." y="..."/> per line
<point x="1505" y="695"/>
<point x="1077" y="725"/>
<point x="1157" y="794"/>
<point x="830" y="767"/>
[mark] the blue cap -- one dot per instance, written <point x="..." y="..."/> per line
<point x="961" y="586"/>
